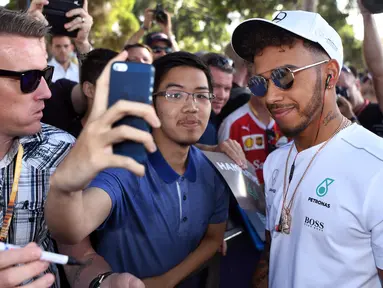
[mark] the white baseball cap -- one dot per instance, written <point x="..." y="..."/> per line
<point x="308" y="25"/>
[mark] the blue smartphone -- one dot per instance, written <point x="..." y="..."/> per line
<point x="134" y="82"/>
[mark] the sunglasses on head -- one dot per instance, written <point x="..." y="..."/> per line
<point x="157" y="49"/>
<point x="220" y="61"/>
<point x="282" y="77"/>
<point x="29" y="80"/>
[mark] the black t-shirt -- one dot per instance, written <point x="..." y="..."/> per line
<point x="371" y="118"/>
<point x="59" y="110"/>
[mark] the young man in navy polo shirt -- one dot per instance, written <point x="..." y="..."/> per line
<point x="159" y="227"/>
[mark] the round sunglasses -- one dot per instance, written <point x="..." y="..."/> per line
<point x="282" y="77"/>
<point x="29" y="80"/>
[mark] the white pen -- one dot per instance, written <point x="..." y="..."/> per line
<point x="46" y="256"/>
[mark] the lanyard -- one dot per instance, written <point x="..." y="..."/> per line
<point x="11" y="205"/>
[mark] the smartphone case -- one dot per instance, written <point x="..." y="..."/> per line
<point x="134" y="84"/>
<point x="55" y="12"/>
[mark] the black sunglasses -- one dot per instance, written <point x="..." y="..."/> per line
<point x="157" y="49"/>
<point x="282" y="77"/>
<point x="29" y="80"/>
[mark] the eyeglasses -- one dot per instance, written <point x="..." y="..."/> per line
<point x="157" y="49"/>
<point x="29" y="80"/>
<point x="181" y="96"/>
<point x="282" y="77"/>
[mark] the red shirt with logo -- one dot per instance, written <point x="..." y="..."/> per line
<point x="256" y="140"/>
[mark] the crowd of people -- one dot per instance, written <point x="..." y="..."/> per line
<point x="280" y="98"/>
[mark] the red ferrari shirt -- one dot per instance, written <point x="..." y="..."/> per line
<point x="256" y="139"/>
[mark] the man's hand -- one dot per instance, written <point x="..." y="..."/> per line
<point x="36" y="10"/>
<point x="83" y="22"/>
<point x="167" y="26"/>
<point x="93" y="151"/>
<point x="148" y="21"/>
<point x="234" y="150"/>
<point x="363" y="9"/>
<point x="123" y="280"/>
<point x="345" y="107"/>
<point x="11" y="276"/>
<point x="157" y="282"/>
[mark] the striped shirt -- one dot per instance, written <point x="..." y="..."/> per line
<point x="43" y="152"/>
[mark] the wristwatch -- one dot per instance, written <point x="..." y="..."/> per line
<point x="96" y="282"/>
<point x="144" y="28"/>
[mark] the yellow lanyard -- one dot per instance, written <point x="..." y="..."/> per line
<point x="11" y="205"/>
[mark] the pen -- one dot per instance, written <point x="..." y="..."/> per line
<point x="46" y="256"/>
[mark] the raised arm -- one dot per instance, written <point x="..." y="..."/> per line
<point x="71" y="213"/>
<point x="148" y="21"/>
<point x="373" y="52"/>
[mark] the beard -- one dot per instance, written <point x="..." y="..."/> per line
<point x="309" y="113"/>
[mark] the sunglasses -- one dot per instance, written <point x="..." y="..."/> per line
<point x="220" y="62"/>
<point x="29" y="80"/>
<point x="282" y="77"/>
<point x="157" y="49"/>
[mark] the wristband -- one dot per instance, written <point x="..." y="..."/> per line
<point x="144" y="28"/>
<point x="96" y="282"/>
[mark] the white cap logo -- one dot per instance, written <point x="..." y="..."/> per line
<point x="280" y="17"/>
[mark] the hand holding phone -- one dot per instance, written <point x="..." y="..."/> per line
<point x="68" y="17"/>
<point x="93" y="151"/>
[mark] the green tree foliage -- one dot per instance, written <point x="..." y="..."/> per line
<point x="113" y="22"/>
<point x="202" y="25"/>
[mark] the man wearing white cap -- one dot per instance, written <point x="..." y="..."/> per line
<point x="323" y="190"/>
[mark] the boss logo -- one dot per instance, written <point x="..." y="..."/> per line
<point x="315" y="224"/>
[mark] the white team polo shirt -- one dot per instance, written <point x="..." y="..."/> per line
<point x="336" y="237"/>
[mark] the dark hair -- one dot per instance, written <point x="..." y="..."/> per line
<point x="218" y="61"/>
<point x="53" y="36"/>
<point x="267" y="35"/>
<point x="177" y="59"/>
<point x="21" y="24"/>
<point x="138" y="45"/>
<point x="95" y="63"/>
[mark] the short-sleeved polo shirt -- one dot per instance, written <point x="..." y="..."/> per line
<point x="157" y="220"/>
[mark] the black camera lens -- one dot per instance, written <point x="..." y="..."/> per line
<point x="160" y="15"/>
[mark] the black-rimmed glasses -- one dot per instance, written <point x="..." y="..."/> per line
<point x="282" y="77"/>
<point x="29" y="80"/>
<point x="181" y="96"/>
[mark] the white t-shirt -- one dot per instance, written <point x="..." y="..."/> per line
<point x="336" y="237"/>
<point x="72" y="73"/>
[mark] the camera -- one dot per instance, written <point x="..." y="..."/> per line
<point x="374" y="6"/>
<point x="160" y="15"/>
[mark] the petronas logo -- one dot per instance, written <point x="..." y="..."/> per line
<point x="322" y="188"/>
